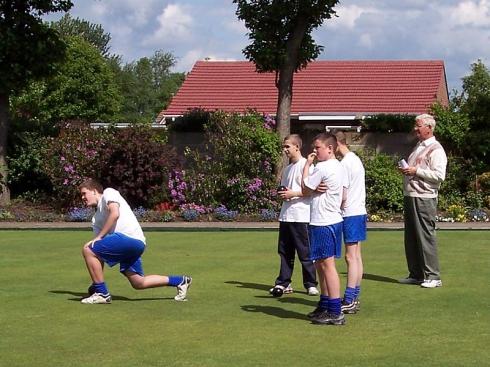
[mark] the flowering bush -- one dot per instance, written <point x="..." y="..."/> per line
<point x="268" y="215"/>
<point x="478" y="215"/>
<point x="224" y="214"/>
<point x="133" y="160"/>
<point x="79" y="214"/>
<point x="236" y="165"/>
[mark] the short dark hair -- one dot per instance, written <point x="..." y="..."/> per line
<point x="91" y="184"/>
<point x="327" y="139"/>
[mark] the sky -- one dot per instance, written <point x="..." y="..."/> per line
<point x="455" y="31"/>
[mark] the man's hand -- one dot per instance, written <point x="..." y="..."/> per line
<point x="409" y="171"/>
<point x="322" y="188"/>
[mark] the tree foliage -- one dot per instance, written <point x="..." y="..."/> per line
<point x="84" y="88"/>
<point x="147" y="86"/>
<point x="29" y="50"/>
<point x="280" y="31"/>
<point x="90" y="32"/>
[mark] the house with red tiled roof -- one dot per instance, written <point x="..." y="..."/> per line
<point x="324" y="93"/>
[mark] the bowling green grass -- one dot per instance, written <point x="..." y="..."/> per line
<point x="230" y="319"/>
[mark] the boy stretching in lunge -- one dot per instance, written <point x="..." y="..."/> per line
<point x="325" y="228"/>
<point x="118" y="239"/>
<point x="355" y="217"/>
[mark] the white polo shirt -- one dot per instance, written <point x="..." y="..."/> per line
<point x="126" y="224"/>
<point x="296" y="209"/>
<point x="325" y="207"/>
<point x="355" y="184"/>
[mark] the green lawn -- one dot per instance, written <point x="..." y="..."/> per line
<point x="230" y="320"/>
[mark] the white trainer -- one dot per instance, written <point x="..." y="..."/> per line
<point x="431" y="283"/>
<point x="97" y="298"/>
<point x="182" y="289"/>
<point x="288" y="289"/>
<point x="312" y="291"/>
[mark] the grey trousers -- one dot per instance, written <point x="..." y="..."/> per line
<point x="420" y="237"/>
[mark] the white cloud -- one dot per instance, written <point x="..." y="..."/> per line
<point x="471" y="13"/>
<point x="347" y="16"/>
<point x="174" y="25"/>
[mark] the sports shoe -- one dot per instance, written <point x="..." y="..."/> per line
<point x="348" y="308"/>
<point x="431" y="283"/>
<point x="312" y="291"/>
<point x="182" y="289"/>
<point x="409" y="280"/>
<point x="97" y="298"/>
<point x="285" y="290"/>
<point x="327" y="318"/>
<point x="358" y="305"/>
<point x="316" y="312"/>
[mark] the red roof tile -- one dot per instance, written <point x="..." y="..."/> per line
<point x="324" y="87"/>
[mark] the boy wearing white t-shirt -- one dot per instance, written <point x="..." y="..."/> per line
<point x="355" y="217"/>
<point x="119" y="240"/>
<point x="325" y="229"/>
<point x="293" y="223"/>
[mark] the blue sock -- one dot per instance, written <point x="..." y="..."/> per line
<point x="349" y="295"/>
<point x="335" y="306"/>
<point x="323" y="303"/>
<point x="175" y="280"/>
<point x="100" y="288"/>
<point x="358" y="291"/>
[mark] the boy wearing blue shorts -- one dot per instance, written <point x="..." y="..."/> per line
<point x="325" y="228"/>
<point x="119" y="240"/>
<point x="355" y="217"/>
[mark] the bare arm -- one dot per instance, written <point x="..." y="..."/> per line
<point x="306" y="171"/>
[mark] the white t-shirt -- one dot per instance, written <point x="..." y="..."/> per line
<point x="296" y="209"/>
<point x="325" y="207"/>
<point x="126" y="224"/>
<point x="355" y="203"/>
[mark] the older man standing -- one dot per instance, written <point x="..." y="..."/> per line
<point x="423" y="175"/>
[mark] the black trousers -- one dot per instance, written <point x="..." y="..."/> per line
<point x="293" y="237"/>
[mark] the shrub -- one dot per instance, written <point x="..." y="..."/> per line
<point x="384" y="184"/>
<point x="136" y="161"/>
<point x="268" y="215"/>
<point x="236" y="165"/>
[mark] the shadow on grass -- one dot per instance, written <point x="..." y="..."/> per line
<point x="262" y="287"/>
<point x="274" y="311"/>
<point x="376" y="278"/>
<point x="81" y="295"/>
<point x="293" y="300"/>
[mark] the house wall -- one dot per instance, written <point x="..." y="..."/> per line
<point x="399" y="144"/>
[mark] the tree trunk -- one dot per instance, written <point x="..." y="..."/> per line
<point x="285" y="86"/>
<point x="4" y="128"/>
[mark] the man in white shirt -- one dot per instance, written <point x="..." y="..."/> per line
<point x="293" y="223"/>
<point x="118" y="239"/>
<point x="422" y="178"/>
<point x="325" y="229"/>
<point x="355" y="217"/>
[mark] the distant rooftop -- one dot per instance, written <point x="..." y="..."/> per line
<point x="323" y="88"/>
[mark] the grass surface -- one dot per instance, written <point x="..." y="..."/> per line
<point x="230" y="320"/>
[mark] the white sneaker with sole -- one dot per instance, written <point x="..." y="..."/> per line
<point x="312" y="291"/>
<point x="97" y="298"/>
<point x="431" y="283"/>
<point x="182" y="289"/>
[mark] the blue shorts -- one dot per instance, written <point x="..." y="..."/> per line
<point x="355" y="229"/>
<point x="116" y="248"/>
<point x="325" y="241"/>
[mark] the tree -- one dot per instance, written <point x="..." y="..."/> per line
<point x="92" y="33"/>
<point x="147" y="86"/>
<point x="84" y="88"/>
<point x="29" y="50"/>
<point x="475" y="103"/>
<point x="280" y="31"/>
